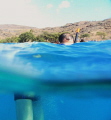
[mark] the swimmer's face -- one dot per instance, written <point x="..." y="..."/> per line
<point x="68" y="40"/>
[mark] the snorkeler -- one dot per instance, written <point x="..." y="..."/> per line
<point x="66" y="39"/>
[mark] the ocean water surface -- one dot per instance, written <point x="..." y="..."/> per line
<point x="73" y="81"/>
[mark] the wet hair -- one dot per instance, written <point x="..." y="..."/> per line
<point x="64" y="35"/>
<point x="82" y="40"/>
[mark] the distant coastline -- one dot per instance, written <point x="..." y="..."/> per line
<point x="90" y="30"/>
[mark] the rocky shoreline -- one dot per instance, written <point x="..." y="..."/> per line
<point x="91" y="28"/>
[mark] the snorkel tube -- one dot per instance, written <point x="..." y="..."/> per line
<point x="77" y="33"/>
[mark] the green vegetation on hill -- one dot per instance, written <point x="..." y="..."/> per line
<point x="30" y="37"/>
<point x="46" y="37"/>
<point x="101" y="34"/>
<point x="85" y="35"/>
<point x="10" y="40"/>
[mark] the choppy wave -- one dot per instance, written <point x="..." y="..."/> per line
<point x="80" y="61"/>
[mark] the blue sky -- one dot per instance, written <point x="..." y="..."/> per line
<point x="52" y="13"/>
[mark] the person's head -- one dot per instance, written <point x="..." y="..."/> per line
<point x="66" y="38"/>
<point x="82" y="40"/>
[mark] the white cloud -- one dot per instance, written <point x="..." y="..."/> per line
<point x="57" y="10"/>
<point x="64" y="4"/>
<point x="21" y="12"/>
<point x="24" y="12"/>
<point x="49" y="6"/>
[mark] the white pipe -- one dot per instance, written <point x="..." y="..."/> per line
<point x="24" y="109"/>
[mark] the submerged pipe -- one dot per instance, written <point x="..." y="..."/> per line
<point x="24" y="109"/>
<point x="24" y="106"/>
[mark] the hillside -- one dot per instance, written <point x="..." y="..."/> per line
<point x="10" y="30"/>
<point x="90" y="27"/>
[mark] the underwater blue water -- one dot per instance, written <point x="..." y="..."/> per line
<point x="76" y="78"/>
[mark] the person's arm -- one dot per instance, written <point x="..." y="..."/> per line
<point x="76" y="37"/>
